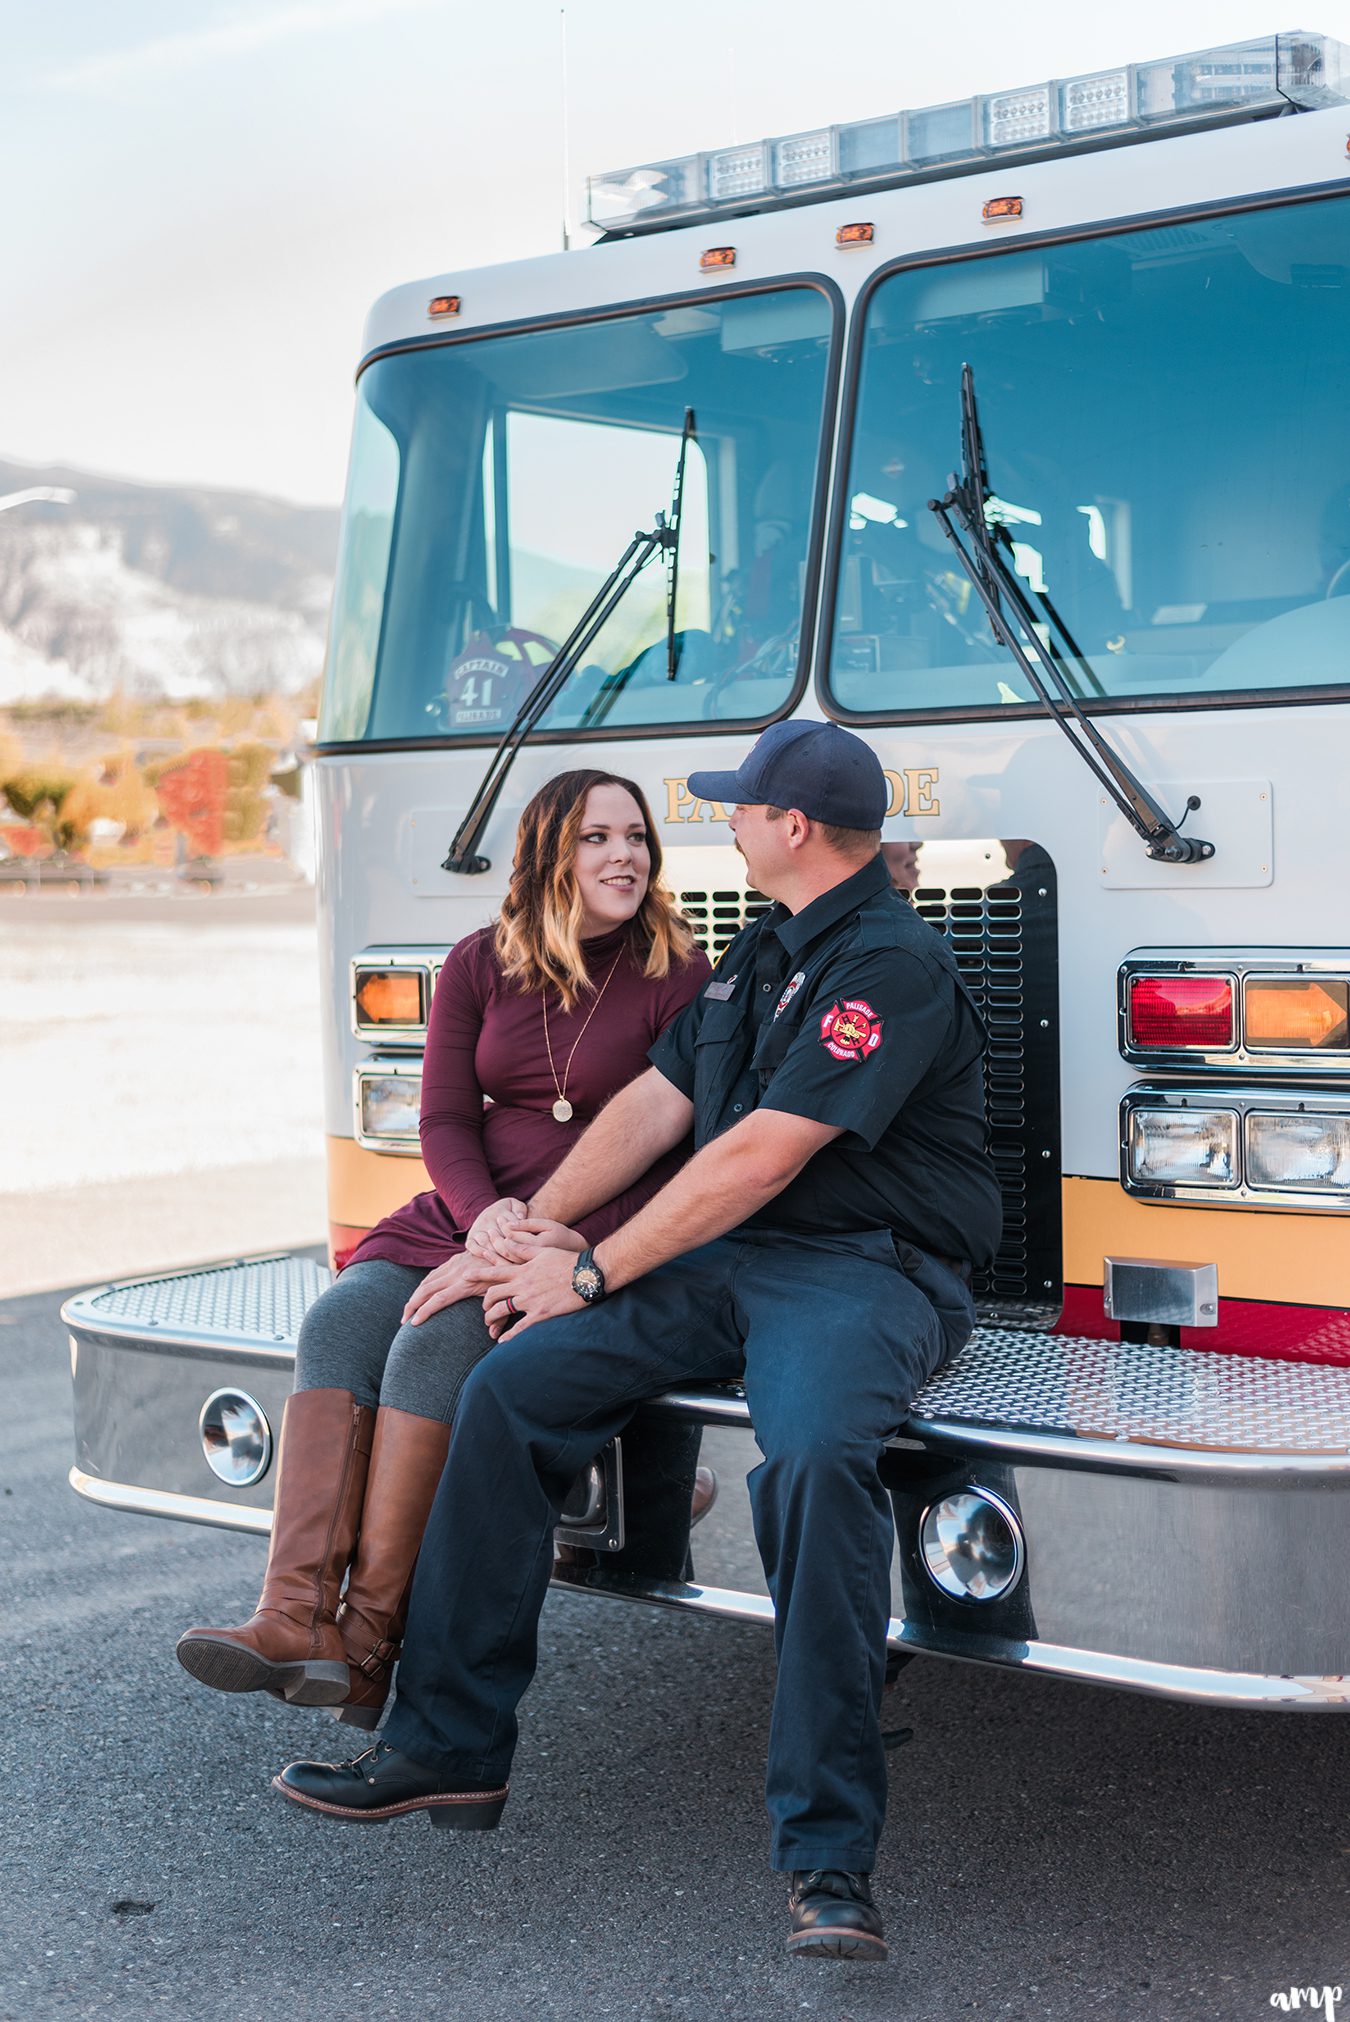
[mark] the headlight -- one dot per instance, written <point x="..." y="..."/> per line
<point x="1183" y="1147"/>
<point x="1300" y="1150"/>
<point x="388" y="1097"/>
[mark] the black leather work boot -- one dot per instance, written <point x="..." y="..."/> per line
<point x="381" y="1784"/>
<point x="834" y="1917"/>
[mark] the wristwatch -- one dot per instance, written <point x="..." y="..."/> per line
<point x="588" y="1280"/>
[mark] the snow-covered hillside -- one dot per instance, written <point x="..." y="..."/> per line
<point x="159" y="590"/>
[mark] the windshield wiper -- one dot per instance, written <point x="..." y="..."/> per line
<point x="463" y="856"/>
<point x="996" y="583"/>
<point x="674" y="646"/>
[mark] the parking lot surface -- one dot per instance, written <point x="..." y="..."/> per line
<point x="1053" y="1851"/>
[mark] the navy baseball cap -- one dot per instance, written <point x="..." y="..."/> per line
<point x="827" y="773"/>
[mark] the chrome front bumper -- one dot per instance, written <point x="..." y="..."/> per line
<point x="1186" y="1516"/>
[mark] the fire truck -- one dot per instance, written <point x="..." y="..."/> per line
<point x="1011" y="433"/>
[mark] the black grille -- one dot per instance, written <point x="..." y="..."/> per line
<point x="1005" y="939"/>
<point x="717" y="917"/>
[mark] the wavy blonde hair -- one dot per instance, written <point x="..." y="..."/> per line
<point x="538" y="937"/>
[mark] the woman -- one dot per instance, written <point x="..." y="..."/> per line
<point x="545" y="1015"/>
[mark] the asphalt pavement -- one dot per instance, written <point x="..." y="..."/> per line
<point x="1053" y="1851"/>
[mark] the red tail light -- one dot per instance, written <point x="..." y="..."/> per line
<point x="1182" y="1013"/>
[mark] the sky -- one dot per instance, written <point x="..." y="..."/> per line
<point x="203" y="197"/>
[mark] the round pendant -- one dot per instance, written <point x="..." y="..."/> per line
<point x="562" y="1109"/>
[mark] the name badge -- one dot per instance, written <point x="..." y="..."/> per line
<point x="719" y="992"/>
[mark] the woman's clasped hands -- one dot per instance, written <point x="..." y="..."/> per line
<point x="503" y="1237"/>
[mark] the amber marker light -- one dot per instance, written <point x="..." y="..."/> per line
<point x="443" y="305"/>
<point x="1297" y="1014"/>
<point x="717" y="256"/>
<point x="388" y="997"/>
<point x="1001" y="207"/>
<point x="855" y="235"/>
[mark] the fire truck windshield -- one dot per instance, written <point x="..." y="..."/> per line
<point x="1170" y="451"/>
<point x="494" y="482"/>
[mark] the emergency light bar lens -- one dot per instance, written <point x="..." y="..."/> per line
<point x="1268" y="74"/>
<point x="1301" y="1151"/>
<point x="1178" y="1014"/>
<point x="1183" y="1147"/>
<point x="1089" y="103"/>
<point x="1017" y="115"/>
<point x="738" y="172"/>
<point x="1295" y="1014"/>
<point x="806" y="158"/>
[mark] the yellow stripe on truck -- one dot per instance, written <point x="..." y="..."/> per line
<point x="1299" y="1259"/>
<point x="365" y="1186"/>
<point x="1261" y="1254"/>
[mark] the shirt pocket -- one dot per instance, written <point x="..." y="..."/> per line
<point x="721" y="1023"/>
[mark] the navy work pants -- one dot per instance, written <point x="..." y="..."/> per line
<point x="832" y="1337"/>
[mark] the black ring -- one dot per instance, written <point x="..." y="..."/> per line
<point x="511" y="1307"/>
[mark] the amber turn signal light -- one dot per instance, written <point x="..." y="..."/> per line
<point x="388" y="997"/>
<point x="443" y="305"/>
<point x="1001" y="207"/>
<point x="855" y="235"/>
<point x="1296" y="1014"/>
<point x="717" y="256"/>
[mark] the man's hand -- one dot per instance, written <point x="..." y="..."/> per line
<point x="459" y="1277"/>
<point x="490" y="1228"/>
<point x="526" y="1239"/>
<point x="539" y="1290"/>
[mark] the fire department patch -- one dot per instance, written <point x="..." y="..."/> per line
<point x="851" y="1030"/>
<point x="793" y="987"/>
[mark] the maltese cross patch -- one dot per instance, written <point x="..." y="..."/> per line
<point x="851" y="1030"/>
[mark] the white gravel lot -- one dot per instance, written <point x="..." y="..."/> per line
<point x="161" y="1090"/>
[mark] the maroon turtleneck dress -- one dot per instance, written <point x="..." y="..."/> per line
<point x="486" y="1039"/>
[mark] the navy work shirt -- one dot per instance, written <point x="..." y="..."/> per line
<point x="850" y="1012"/>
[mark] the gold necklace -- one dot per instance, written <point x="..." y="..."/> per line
<point x="562" y="1108"/>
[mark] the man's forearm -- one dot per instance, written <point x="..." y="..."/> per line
<point x="642" y="1123"/>
<point x="721" y="1186"/>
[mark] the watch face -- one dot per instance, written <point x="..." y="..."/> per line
<point x="586" y="1281"/>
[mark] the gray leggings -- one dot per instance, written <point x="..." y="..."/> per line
<point x="353" y="1338"/>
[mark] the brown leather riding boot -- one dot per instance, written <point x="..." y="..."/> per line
<point x="405" y="1466"/>
<point x="291" y="1646"/>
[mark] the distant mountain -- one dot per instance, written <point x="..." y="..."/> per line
<point x="159" y="589"/>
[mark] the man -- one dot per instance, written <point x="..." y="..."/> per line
<point x="817" y="1245"/>
<point x="902" y="861"/>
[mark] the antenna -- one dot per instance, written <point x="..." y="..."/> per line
<point x="566" y="137"/>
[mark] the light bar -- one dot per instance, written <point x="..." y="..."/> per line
<point x="1208" y="87"/>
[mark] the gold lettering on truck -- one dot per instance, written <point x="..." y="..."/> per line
<point x="683" y="806"/>
<point x="914" y="792"/>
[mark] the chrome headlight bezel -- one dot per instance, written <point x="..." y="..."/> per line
<point x="1242" y="968"/>
<point x="1252" y="1107"/>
